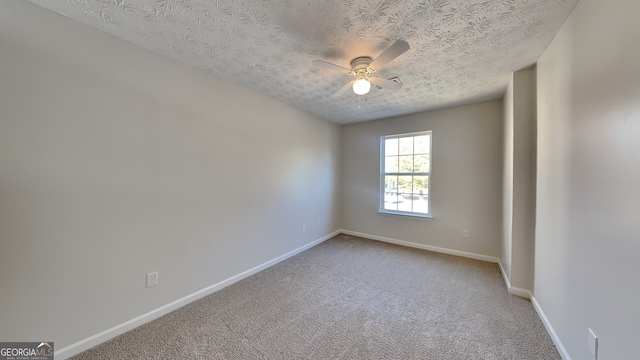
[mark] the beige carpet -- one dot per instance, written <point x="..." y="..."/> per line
<point x="349" y="298"/>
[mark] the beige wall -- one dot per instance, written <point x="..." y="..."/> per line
<point x="587" y="247"/>
<point x="116" y="162"/>
<point x="466" y="184"/>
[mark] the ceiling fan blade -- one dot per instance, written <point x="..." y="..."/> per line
<point x="386" y="84"/>
<point x="330" y="66"/>
<point x="395" y="50"/>
<point x="343" y="89"/>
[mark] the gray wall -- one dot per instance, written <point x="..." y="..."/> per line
<point x="507" y="183"/>
<point x="524" y="179"/>
<point x="117" y="162"/>
<point x="588" y="202"/>
<point x="466" y="183"/>
<point x="517" y="256"/>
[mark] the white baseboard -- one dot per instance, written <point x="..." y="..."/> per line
<point x="423" y="247"/>
<point x="550" y="330"/>
<point x="512" y="290"/>
<point x="527" y="294"/>
<point x="523" y="293"/>
<point x="504" y="274"/>
<point x="108" y="334"/>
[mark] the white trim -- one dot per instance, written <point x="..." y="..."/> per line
<point x="524" y="293"/>
<point x="409" y="215"/>
<point x="423" y="247"/>
<point x="383" y="173"/>
<point x="550" y="330"/>
<point x="512" y="290"/>
<point x="504" y="274"/>
<point x="108" y="334"/>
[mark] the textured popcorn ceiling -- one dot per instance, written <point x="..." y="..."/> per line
<point x="462" y="51"/>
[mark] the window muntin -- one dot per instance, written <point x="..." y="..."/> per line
<point x="405" y="170"/>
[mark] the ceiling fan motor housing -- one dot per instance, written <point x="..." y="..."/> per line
<point x="360" y="67"/>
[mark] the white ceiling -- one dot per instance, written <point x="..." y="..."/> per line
<point x="462" y="51"/>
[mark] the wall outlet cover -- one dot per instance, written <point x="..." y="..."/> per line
<point x="152" y="279"/>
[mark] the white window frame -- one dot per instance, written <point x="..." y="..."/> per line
<point x="383" y="174"/>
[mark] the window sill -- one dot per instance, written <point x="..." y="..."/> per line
<point x="408" y="215"/>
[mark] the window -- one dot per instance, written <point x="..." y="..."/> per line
<point x="405" y="169"/>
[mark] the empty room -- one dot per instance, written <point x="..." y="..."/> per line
<point x="297" y="179"/>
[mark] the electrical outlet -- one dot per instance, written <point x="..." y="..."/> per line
<point x="592" y="343"/>
<point x="152" y="279"/>
<point x="304" y="228"/>
<point x="318" y="223"/>
<point x="465" y="233"/>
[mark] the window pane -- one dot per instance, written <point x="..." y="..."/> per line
<point x="405" y="184"/>
<point x="389" y="204"/>
<point x="390" y="183"/>
<point x="422" y="144"/>
<point x="415" y="203"/>
<point x="390" y="147"/>
<point x="421" y="185"/>
<point x="407" y="155"/>
<point x="405" y="205"/>
<point x="421" y="163"/>
<point x="391" y="195"/>
<point x="421" y="205"/>
<point x="406" y="146"/>
<point x="391" y="164"/>
<point x="406" y="163"/>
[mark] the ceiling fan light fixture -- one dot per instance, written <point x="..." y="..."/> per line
<point x="361" y="86"/>
<point x="363" y="66"/>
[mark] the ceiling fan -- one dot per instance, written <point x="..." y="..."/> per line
<point x="362" y="67"/>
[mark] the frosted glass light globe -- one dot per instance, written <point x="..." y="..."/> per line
<point x="361" y="86"/>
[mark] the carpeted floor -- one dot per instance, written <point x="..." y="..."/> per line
<point x="349" y="298"/>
